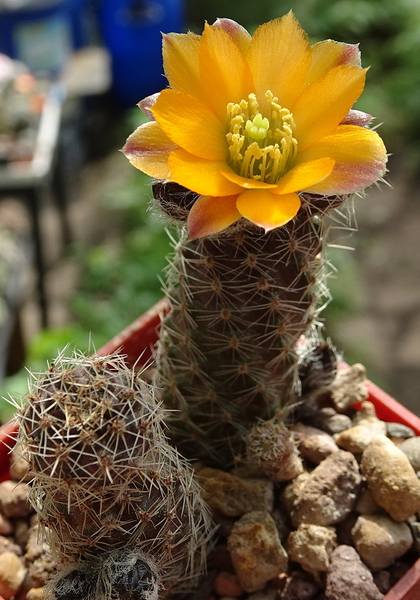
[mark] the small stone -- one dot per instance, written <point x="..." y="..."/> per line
<point x="382" y="580"/>
<point x="6" y="545"/>
<point x="232" y="496"/>
<point x="349" y="387"/>
<point x="380" y="541"/>
<point x="14" y="499"/>
<point x="292" y="491"/>
<point x="332" y="422"/>
<point x="391" y="478"/>
<point x="35" y="594"/>
<point x="19" y="467"/>
<point x="311" y="546"/>
<point x="227" y="584"/>
<point x="6" y="528"/>
<point x="41" y="570"/>
<point x="349" y="578"/>
<point x="299" y="587"/>
<point x="12" y="574"/>
<point x="330" y="491"/>
<point x="398" y="430"/>
<point x="366" y="427"/>
<point x="256" y="551"/>
<point x="366" y="505"/>
<point x="411" y="448"/>
<point x="314" y="444"/>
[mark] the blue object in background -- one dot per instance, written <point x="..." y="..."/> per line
<point x="42" y="33"/>
<point x="131" y="31"/>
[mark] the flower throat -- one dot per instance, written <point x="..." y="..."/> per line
<point x="260" y="148"/>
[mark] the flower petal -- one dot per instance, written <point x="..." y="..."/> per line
<point x="360" y="157"/>
<point x="199" y="175"/>
<point x="146" y="104"/>
<point x="264" y="209"/>
<point x="238" y="33"/>
<point x="224" y="73"/>
<point x="324" y="103"/>
<point x="245" y="182"/>
<point x="210" y="215"/>
<point x="148" y="149"/>
<point x="279" y="57"/>
<point x="329" y="54"/>
<point x="191" y="124"/>
<point x="181" y="62"/>
<point x="304" y="174"/>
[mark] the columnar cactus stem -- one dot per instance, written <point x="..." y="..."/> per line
<point x="240" y="301"/>
<point x="118" y="505"/>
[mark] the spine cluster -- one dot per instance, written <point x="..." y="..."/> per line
<point x="117" y="504"/>
<point x="240" y="301"/>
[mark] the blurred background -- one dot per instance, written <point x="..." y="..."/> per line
<point x="81" y="254"/>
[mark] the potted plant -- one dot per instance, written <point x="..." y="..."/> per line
<point x="252" y="146"/>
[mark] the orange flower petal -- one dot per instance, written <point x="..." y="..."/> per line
<point x="304" y="174"/>
<point x="210" y="215"/>
<point x="324" y="103"/>
<point x="360" y="157"/>
<point x="238" y="33"/>
<point x="279" y="57"/>
<point x="199" y="175"/>
<point x="191" y="124"/>
<point x="329" y="54"/>
<point x="148" y="149"/>
<point x="249" y="184"/>
<point x="181" y="62"/>
<point x="225" y="75"/>
<point x="267" y="210"/>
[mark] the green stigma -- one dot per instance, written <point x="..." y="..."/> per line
<point x="258" y="127"/>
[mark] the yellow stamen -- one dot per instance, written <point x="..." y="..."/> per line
<point x="260" y="148"/>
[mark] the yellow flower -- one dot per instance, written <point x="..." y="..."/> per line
<point x="248" y="122"/>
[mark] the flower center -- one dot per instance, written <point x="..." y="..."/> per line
<point x="260" y="148"/>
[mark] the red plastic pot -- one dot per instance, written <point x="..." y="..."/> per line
<point x="137" y="342"/>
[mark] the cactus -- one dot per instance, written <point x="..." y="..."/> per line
<point x="254" y="143"/>
<point x="240" y="301"/>
<point x="118" y="505"/>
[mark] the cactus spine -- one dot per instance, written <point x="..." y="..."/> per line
<point x="240" y="301"/>
<point x="117" y="504"/>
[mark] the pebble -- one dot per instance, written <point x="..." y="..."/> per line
<point x="35" y="594"/>
<point x="349" y="387"/>
<point x="329" y="492"/>
<point x="299" y="587"/>
<point x="6" y="527"/>
<point x="233" y="496"/>
<point x="331" y="421"/>
<point x="311" y="547"/>
<point x="391" y="478"/>
<point x="256" y="551"/>
<point x="14" y="499"/>
<point x="227" y="584"/>
<point x="7" y="545"/>
<point x="348" y="578"/>
<point x="314" y="444"/>
<point x="12" y="574"/>
<point x="380" y="541"/>
<point x="366" y="505"/>
<point x="411" y="448"/>
<point x="397" y="431"/>
<point x="366" y="427"/>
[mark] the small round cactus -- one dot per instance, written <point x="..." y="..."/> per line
<point x="117" y="504"/>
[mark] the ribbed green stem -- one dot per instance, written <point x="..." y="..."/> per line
<point x="240" y="302"/>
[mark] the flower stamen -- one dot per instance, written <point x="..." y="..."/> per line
<point x="260" y="148"/>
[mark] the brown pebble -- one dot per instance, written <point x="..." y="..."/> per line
<point x="7" y="545"/>
<point x="12" y="574"/>
<point x="349" y="387"/>
<point x="35" y="594"/>
<point x="299" y="587"/>
<point x="257" y="553"/>
<point x="6" y="528"/>
<point x="311" y="547"/>
<point x="348" y="578"/>
<point x="329" y="493"/>
<point x="314" y="444"/>
<point x="227" y="584"/>
<point x="233" y="496"/>
<point x="14" y="499"/>
<point x="391" y="478"/>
